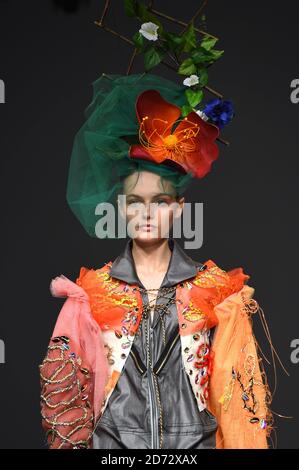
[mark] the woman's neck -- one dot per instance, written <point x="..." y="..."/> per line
<point x="151" y="257"/>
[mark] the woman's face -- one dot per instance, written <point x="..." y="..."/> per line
<point x="149" y="207"/>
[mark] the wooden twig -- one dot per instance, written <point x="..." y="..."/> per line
<point x="214" y="92"/>
<point x="107" y="4"/>
<point x="131" y="61"/>
<point x="106" y="28"/>
<point x="225" y="142"/>
<point x="204" y="3"/>
<point x="181" y="23"/>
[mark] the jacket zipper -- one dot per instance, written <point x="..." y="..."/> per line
<point x="152" y="397"/>
<point x="136" y="362"/>
<point x="167" y="355"/>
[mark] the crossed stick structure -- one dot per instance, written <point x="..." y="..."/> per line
<point x="150" y="5"/>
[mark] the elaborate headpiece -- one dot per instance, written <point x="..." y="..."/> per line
<point x="146" y="122"/>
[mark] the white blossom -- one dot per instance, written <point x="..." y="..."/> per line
<point x="192" y="80"/>
<point x="149" y="31"/>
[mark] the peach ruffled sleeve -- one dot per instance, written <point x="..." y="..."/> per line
<point x="239" y="396"/>
<point x="73" y="372"/>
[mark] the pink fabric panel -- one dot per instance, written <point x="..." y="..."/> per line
<point x="75" y="321"/>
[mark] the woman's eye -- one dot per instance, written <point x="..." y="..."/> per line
<point x="134" y="203"/>
<point x="161" y="202"/>
<point x="158" y="202"/>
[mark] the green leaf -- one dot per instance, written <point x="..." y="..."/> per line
<point x="131" y="8"/>
<point x="186" y="109"/>
<point x="187" y="67"/>
<point x="194" y="97"/>
<point x="203" y="76"/>
<point x="173" y="42"/>
<point x="217" y="54"/>
<point x="138" y="40"/>
<point x="152" y="57"/>
<point x="202" y="56"/>
<point x="208" y="43"/>
<point x="189" y="38"/>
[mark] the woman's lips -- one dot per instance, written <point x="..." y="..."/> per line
<point x="147" y="227"/>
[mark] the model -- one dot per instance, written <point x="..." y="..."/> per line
<point x="152" y="349"/>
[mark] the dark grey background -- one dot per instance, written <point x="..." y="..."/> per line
<point x="50" y="53"/>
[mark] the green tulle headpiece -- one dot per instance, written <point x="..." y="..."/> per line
<point x="100" y="157"/>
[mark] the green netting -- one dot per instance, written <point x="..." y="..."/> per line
<point x="99" y="160"/>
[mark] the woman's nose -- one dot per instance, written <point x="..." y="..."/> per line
<point x="149" y="210"/>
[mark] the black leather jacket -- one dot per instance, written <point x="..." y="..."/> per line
<point x="131" y="417"/>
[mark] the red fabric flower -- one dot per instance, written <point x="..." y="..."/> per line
<point x="191" y="144"/>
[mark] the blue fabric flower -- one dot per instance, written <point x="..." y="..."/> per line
<point x="219" y="112"/>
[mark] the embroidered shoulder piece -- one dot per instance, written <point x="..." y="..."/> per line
<point x="218" y="283"/>
<point x="111" y="301"/>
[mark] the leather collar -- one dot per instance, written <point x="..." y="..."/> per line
<point x="180" y="268"/>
